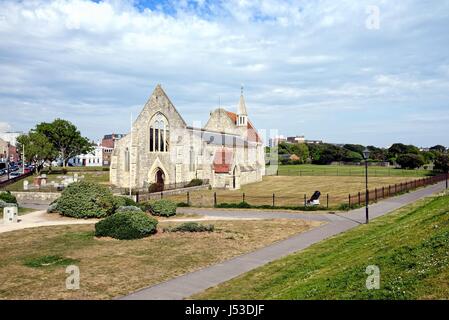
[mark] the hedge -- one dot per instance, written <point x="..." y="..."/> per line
<point x="8" y="197"/>
<point x="191" y="227"/>
<point x="86" y="200"/>
<point x="163" y="207"/>
<point x="120" y="201"/>
<point x="126" y="225"/>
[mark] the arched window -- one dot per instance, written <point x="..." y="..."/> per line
<point x="159" y="133"/>
<point x="127" y="159"/>
<point x="192" y="159"/>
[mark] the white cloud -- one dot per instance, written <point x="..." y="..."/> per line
<point x="4" y="127"/>
<point x="93" y="63"/>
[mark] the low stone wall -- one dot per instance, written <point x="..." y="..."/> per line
<point x="157" y="195"/>
<point x="46" y="197"/>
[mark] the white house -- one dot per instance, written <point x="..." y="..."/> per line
<point x="94" y="159"/>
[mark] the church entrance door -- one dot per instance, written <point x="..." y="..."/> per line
<point x="160" y="177"/>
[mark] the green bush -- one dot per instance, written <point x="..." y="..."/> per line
<point x="4" y="204"/>
<point x="155" y="187"/>
<point x="191" y="227"/>
<point x="126" y="225"/>
<point x="194" y="183"/>
<point x="347" y="207"/>
<point x="183" y="204"/>
<point x="8" y="197"/>
<point x="163" y="207"/>
<point x="120" y="201"/>
<point x="86" y="200"/>
<point x="242" y="204"/>
<point x="128" y="209"/>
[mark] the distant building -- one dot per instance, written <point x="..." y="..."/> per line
<point x="313" y="141"/>
<point x="296" y="139"/>
<point x="7" y="149"/>
<point x="94" y="159"/>
<point x="108" y="143"/>
<point x="10" y="137"/>
<point x="277" y="140"/>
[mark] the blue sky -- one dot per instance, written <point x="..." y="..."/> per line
<point x="308" y="67"/>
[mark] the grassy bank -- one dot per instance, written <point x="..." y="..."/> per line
<point x="410" y="246"/>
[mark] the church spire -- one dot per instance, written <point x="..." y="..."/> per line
<point x="242" y="114"/>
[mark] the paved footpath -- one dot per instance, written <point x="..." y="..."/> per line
<point x="186" y="285"/>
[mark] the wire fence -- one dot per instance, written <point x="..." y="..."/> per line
<point x="374" y="172"/>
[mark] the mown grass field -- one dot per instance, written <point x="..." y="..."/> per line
<point x="336" y="170"/>
<point x="33" y="261"/>
<point x="410" y="247"/>
<point x="290" y="190"/>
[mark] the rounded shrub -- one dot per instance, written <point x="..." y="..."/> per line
<point x="192" y="227"/>
<point x="86" y="200"/>
<point x="128" y="208"/>
<point x="163" y="207"/>
<point x="126" y="225"/>
<point x="8" y="197"/>
<point x="120" y="201"/>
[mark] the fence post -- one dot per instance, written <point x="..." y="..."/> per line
<point x="273" y="199"/>
<point x="327" y="201"/>
<point x="383" y="192"/>
<point x="358" y="196"/>
<point x="215" y="199"/>
<point x="188" y="198"/>
<point x="305" y="200"/>
<point x="349" y="201"/>
<point x="137" y="196"/>
<point x="375" y="194"/>
<point x="162" y="194"/>
<point x="243" y="196"/>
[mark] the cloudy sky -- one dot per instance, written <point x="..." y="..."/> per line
<point x="325" y="69"/>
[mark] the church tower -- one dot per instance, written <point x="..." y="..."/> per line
<point x="242" y="115"/>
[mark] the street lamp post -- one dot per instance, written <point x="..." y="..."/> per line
<point x="366" y="153"/>
<point x="7" y="160"/>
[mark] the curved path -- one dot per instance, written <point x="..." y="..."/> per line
<point x="195" y="282"/>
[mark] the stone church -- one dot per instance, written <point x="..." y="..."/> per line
<point x="161" y="148"/>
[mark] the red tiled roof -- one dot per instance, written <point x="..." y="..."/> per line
<point x="222" y="160"/>
<point x="252" y="134"/>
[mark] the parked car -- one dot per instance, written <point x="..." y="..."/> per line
<point x="2" y="172"/>
<point x="14" y="174"/>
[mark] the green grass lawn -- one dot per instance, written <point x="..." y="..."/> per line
<point x="23" y="210"/>
<point x="410" y="246"/>
<point x="90" y="176"/>
<point x="335" y="170"/>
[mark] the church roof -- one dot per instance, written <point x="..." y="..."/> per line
<point x="251" y="131"/>
<point x="222" y="160"/>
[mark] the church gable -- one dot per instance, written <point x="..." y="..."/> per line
<point x="160" y="103"/>
<point x="220" y="121"/>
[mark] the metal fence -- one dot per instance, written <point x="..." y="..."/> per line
<point x="353" y="172"/>
<point x="376" y="194"/>
<point x="328" y="201"/>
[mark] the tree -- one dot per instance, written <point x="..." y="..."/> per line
<point x="66" y="138"/>
<point x="37" y="147"/>
<point x="438" y="148"/>
<point x="377" y="154"/>
<point x="410" y="161"/>
<point x="442" y="162"/>
<point x="352" y="156"/>
<point x="355" y="148"/>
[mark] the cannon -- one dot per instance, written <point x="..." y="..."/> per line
<point x="314" y="199"/>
